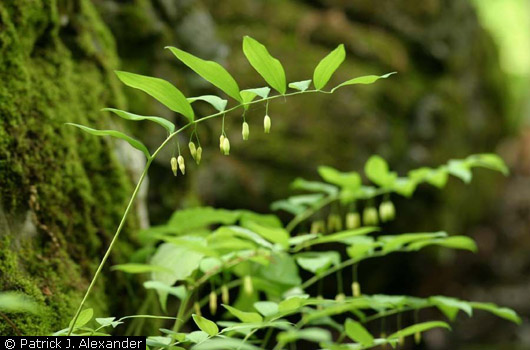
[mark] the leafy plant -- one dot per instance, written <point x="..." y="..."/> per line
<point x="202" y="255"/>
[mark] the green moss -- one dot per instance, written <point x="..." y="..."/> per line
<point x="56" y="61"/>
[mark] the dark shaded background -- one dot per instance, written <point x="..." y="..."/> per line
<point x="453" y="96"/>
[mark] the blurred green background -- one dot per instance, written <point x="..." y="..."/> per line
<point x="463" y="86"/>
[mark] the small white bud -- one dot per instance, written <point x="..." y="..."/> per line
<point x="226" y="146"/>
<point x="248" y="285"/>
<point x="174" y="165"/>
<point x="245" y="131"/>
<point x="197" y="308"/>
<point x="182" y="166"/>
<point x="267" y="124"/>
<point x="356" y="289"/>
<point x="213" y="302"/>
<point x="198" y="157"/>
<point x="221" y="142"/>
<point x="193" y="150"/>
<point x="370" y="216"/>
<point x="340" y="297"/>
<point x="353" y="220"/>
<point x="225" y="296"/>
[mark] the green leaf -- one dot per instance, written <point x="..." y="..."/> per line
<point x="138" y="268"/>
<point x="166" y="124"/>
<point x="343" y="236"/>
<point x="247" y="317"/>
<point x="180" y="261"/>
<point x="317" y="262"/>
<point x="314" y="334"/>
<point x="272" y="234"/>
<point x="396" y="242"/>
<point x="185" y="220"/>
<point x="418" y="328"/>
<point x="377" y="171"/>
<point x="361" y="247"/>
<point x="206" y="325"/>
<point x="313" y="186"/>
<point x="489" y="161"/>
<point x="135" y="143"/>
<point x="210" y="71"/>
<point x="15" y="302"/>
<point x="224" y="343"/>
<point x="350" y="180"/>
<point x="460" y="169"/>
<point x="249" y="95"/>
<point x="327" y="66"/>
<point x="300" y="85"/>
<point x="290" y="304"/>
<point x="267" y="66"/>
<point x="502" y="312"/>
<point x="266" y="308"/>
<point x="368" y="79"/>
<point x="197" y="337"/>
<point x="217" y="102"/>
<point x="163" y="91"/>
<point x="358" y="333"/>
<point x="84" y="317"/>
<point x="451" y="306"/>
<point x="454" y="242"/>
<point x="108" y="321"/>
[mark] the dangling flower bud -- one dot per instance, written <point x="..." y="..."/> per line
<point x="225" y="296"/>
<point x="182" y="167"/>
<point x="221" y="142"/>
<point x="387" y="211"/>
<point x="198" y="156"/>
<point x="247" y="285"/>
<point x="193" y="150"/>
<point x="245" y="131"/>
<point x="319" y="305"/>
<point x="340" y="297"/>
<point x="417" y="338"/>
<point x="267" y="124"/>
<point x="356" y="289"/>
<point x="370" y="216"/>
<point x="197" y="308"/>
<point x="174" y="166"/>
<point x="213" y="302"/>
<point x="226" y="146"/>
<point x="353" y="220"/>
<point x="315" y="227"/>
<point x="401" y="340"/>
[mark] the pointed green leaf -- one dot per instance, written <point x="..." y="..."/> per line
<point x="249" y="95"/>
<point x="300" y="85"/>
<point x="217" y="102"/>
<point x="135" y="143"/>
<point x="138" y="268"/>
<point x="417" y="328"/>
<point x="358" y="333"/>
<point x="210" y="71"/>
<point x="377" y="171"/>
<point x="368" y="79"/>
<point x="266" y="308"/>
<point x="451" y="306"/>
<point x="314" y="334"/>
<point x="166" y="124"/>
<point x="489" y="161"/>
<point x="460" y="169"/>
<point x="454" y="242"/>
<point x="247" y="317"/>
<point x="267" y="66"/>
<point x="327" y="66"/>
<point x="163" y="91"/>
<point x="84" y="317"/>
<point x="351" y="180"/>
<point x="502" y="312"/>
<point x="206" y="325"/>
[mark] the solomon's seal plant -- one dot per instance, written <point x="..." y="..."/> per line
<point x="243" y="269"/>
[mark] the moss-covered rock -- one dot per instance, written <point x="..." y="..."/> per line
<point x="62" y="192"/>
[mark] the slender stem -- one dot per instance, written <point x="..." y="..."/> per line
<point x="182" y="309"/>
<point x="267" y="337"/>
<point x="17" y="331"/>
<point x="112" y="243"/>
